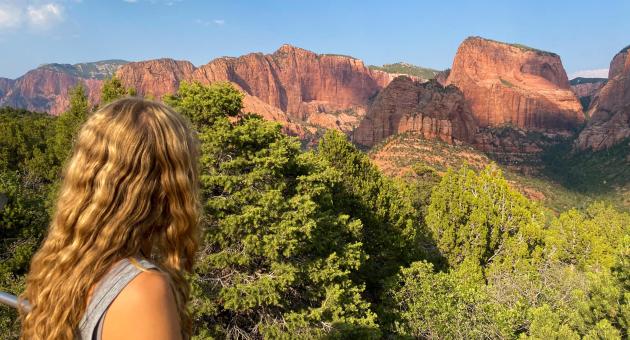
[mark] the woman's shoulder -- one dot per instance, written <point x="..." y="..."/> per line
<point x="148" y="287"/>
<point x="145" y="307"/>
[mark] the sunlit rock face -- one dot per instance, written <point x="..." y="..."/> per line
<point x="508" y="84"/>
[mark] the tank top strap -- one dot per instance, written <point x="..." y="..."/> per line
<point x="118" y="277"/>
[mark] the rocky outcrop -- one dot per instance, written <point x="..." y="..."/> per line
<point x="46" y="90"/>
<point x="509" y="84"/>
<point x="610" y="111"/>
<point x="289" y="85"/>
<point x="299" y="82"/>
<point x="329" y="91"/>
<point x="155" y="78"/>
<point x="586" y="89"/>
<point x="429" y="109"/>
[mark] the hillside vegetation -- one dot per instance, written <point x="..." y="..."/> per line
<point x="569" y="180"/>
<point x="322" y="244"/>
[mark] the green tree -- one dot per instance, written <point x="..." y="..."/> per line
<point x="114" y="89"/>
<point x="473" y="216"/>
<point x="444" y="305"/>
<point x="23" y="222"/>
<point x="589" y="239"/>
<point x="69" y="122"/>
<point x="278" y="255"/>
<point x="393" y="233"/>
<point x="204" y="105"/>
<point x="24" y="142"/>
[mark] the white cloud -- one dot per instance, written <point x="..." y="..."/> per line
<point x="10" y="16"/>
<point x="131" y="1"/>
<point x="45" y="15"/>
<point x="34" y="14"/>
<point x="219" y="22"/>
<point x="597" y="73"/>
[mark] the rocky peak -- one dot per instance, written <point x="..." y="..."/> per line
<point x="287" y="48"/>
<point x="513" y="84"/>
<point x="46" y="89"/>
<point x="620" y="63"/>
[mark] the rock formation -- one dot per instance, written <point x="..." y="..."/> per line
<point x="434" y="111"/>
<point x="299" y="82"/>
<point x="46" y="89"/>
<point x="508" y="84"/>
<point x="155" y="78"/>
<point x="610" y="111"/>
<point x="586" y="89"/>
<point x="296" y="85"/>
<point x="289" y="85"/>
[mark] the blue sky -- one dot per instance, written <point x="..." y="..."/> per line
<point x="586" y="34"/>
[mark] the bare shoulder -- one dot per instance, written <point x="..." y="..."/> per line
<point x="149" y="287"/>
<point x="144" y="309"/>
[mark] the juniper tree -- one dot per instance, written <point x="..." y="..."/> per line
<point x="278" y="255"/>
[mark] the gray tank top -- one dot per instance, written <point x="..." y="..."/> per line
<point x="91" y="324"/>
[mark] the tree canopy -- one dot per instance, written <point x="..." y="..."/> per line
<point x="318" y="243"/>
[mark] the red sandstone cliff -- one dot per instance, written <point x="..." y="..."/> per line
<point x="433" y="111"/>
<point x="46" y="90"/>
<point x="514" y="85"/>
<point x="299" y="82"/>
<point x="326" y="90"/>
<point x="296" y="85"/>
<point x="155" y="78"/>
<point x="160" y="77"/>
<point x="610" y="111"/>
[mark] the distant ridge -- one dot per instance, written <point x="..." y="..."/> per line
<point x="582" y="80"/>
<point x="406" y="68"/>
<point x="92" y="70"/>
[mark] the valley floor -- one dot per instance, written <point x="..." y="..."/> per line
<point x="566" y="180"/>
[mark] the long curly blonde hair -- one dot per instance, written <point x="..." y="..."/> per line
<point x="130" y="188"/>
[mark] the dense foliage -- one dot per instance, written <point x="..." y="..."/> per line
<point x="318" y="243"/>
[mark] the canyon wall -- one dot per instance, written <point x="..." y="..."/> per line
<point x="610" y="110"/>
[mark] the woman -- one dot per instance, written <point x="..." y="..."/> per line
<point x="124" y="232"/>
